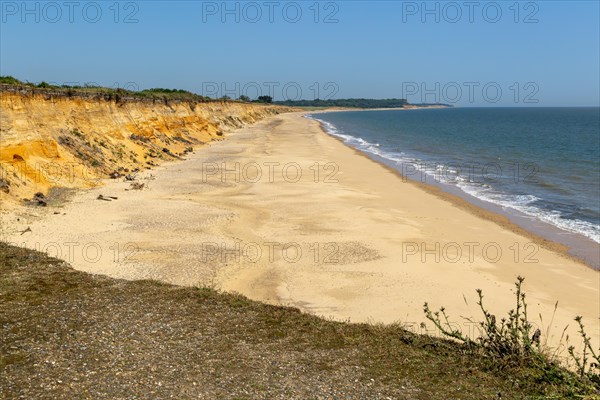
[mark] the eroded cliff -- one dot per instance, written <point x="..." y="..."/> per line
<point x="72" y="142"/>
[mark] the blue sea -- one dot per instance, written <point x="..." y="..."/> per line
<point x="541" y="162"/>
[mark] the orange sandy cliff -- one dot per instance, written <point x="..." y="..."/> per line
<point x="49" y="141"/>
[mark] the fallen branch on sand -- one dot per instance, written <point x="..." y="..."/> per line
<point x="106" y="198"/>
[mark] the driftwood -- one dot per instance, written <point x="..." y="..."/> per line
<point x="106" y="198"/>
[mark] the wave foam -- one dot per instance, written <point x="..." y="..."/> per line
<point x="439" y="172"/>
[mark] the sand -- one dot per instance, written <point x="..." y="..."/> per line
<point x="323" y="228"/>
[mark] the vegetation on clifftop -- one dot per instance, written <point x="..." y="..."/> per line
<point x="356" y="103"/>
<point x="166" y="95"/>
<point x="352" y="103"/>
<point x="117" y="94"/>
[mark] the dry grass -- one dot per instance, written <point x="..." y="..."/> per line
<point x="68" y="334"/>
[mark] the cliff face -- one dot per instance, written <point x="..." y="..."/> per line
<point x="50" y="141"/>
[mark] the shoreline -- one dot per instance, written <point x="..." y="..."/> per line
<point x="369" y="214"/>
<point x="572" y="244"/>
<point x="499" y="219"/>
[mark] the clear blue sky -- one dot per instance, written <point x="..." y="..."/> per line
<point x="549" y="49"/>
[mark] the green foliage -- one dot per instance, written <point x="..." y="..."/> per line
<point x="170" y="94"/>
<point x="351" y="103"/>
<point x="244" y="98"/>
<point x="116" y="94"/>
<point x="9" y="80"/>
<point x="163" y="91"/>
<point x="585" y="366"/>
<point x="511" y="343"/>
<point x="264" y="99"/>
<point x="510" y="339"/>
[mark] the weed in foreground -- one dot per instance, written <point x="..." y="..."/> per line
<point x="511" y="342"/>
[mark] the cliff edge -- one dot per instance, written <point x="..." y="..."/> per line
<point x="56" y="141"/>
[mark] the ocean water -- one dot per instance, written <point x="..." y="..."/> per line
<point x="542" y="162"/>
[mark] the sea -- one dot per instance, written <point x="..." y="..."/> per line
<point x="537" y="164"/>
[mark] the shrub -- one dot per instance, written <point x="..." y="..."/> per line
<point x="510" y="342"/>
<point x="9" y="80"/>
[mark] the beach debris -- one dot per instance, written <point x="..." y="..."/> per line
<point x="186" y="151"/>
<point x="106" y="198"/>
<point x="25" y="231"/>
<point x="169" y="153"/>
<point x="130" y="177"/>
<point x="114" y="175"/>
<point x="4" y="186"/>
<point x="39" y="199"/>
<point x="137" y="186"/>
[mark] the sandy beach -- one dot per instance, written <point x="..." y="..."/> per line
<point x="285" y="214"/>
